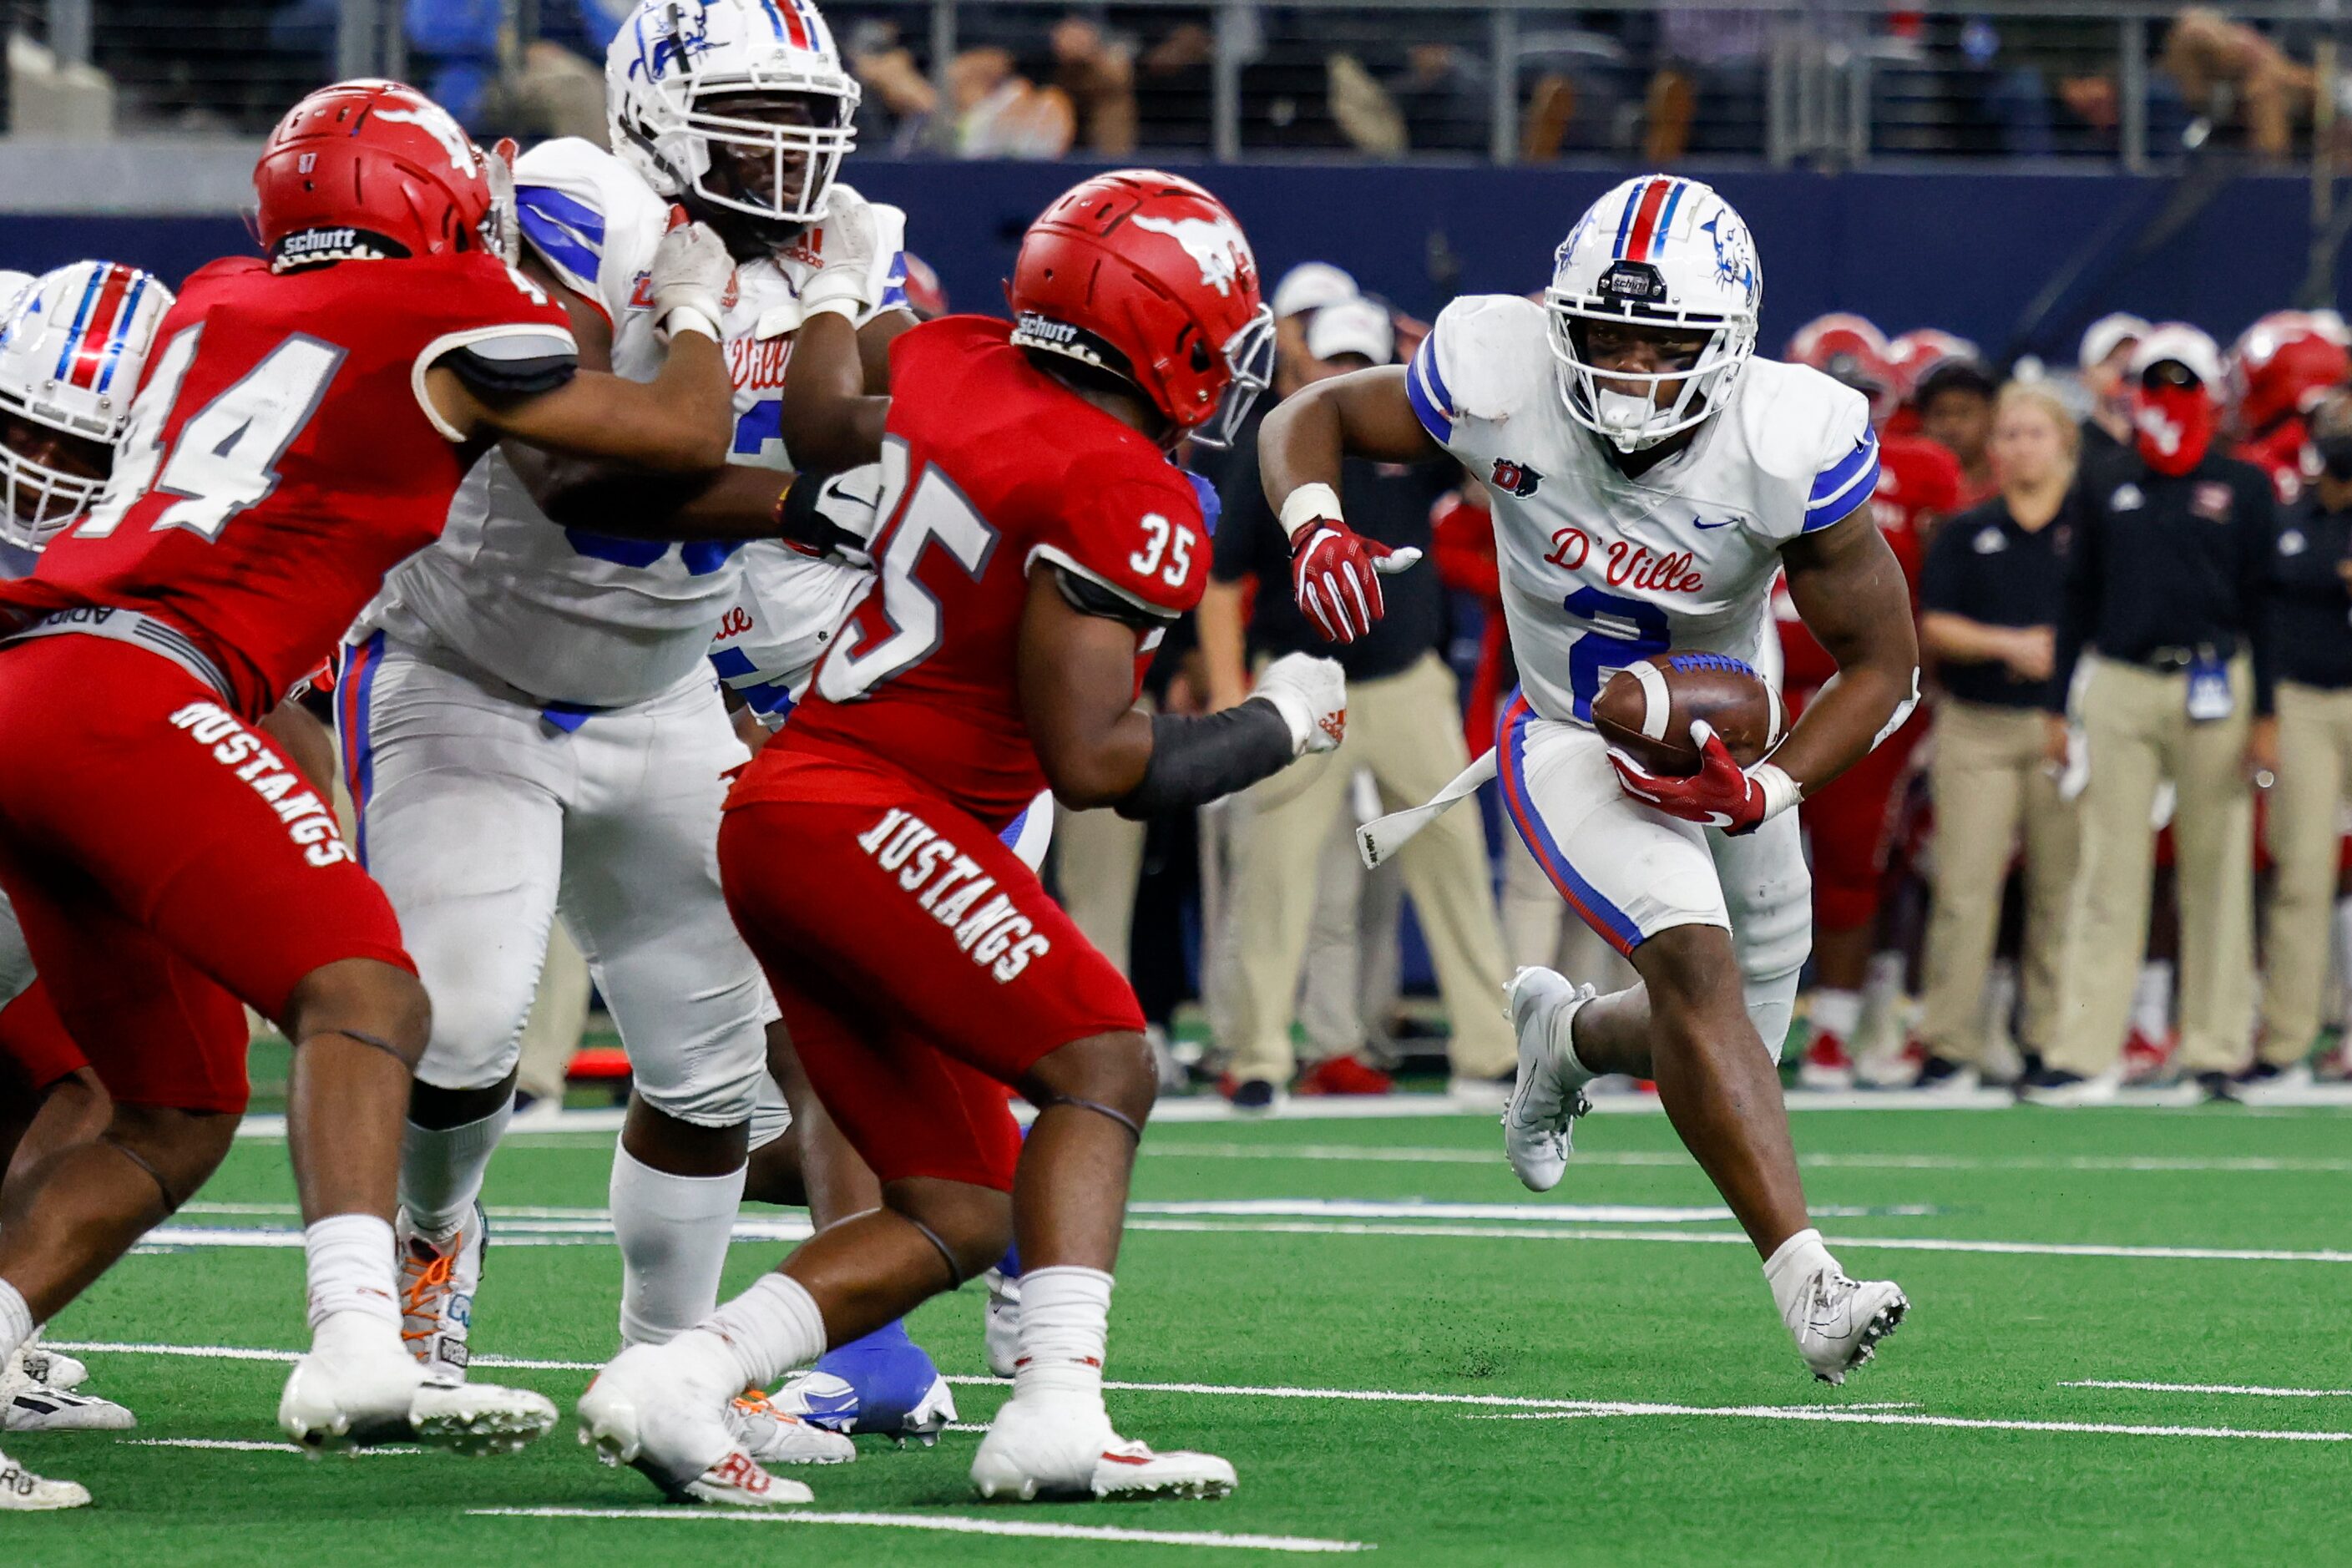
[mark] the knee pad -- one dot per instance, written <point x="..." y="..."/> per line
<point x="1772" y="932"/>
<point x="705" y="1084"/>
<point x="1771" y="1005"/>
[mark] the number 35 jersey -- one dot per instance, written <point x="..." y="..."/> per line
<point x="565" y="614"/>
<point x="1599" y="570"/>
<point x="990" y="467"/>
<point x="281" y="456"/>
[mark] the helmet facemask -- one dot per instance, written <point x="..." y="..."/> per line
<point x="1634" y="421"/>
<point x="38" y="500"/>
<point x="1249" y="362"/>
<point x="754" y="152"/>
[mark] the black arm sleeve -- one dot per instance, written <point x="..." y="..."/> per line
<point x="1197" y="759"/>
<point x="803" y="524"/>
<point x="514" y="366"/>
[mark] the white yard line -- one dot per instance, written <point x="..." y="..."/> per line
<point x="2213" y="1389"/>
<point x="1523" y="1406"/>
<point x="953" y="1524"/>
<point x="1879" y="1418"/>
<point x="233" y="1447"/>
<point x="1208" y="1108"/>
<point x="1371" y="1154"/>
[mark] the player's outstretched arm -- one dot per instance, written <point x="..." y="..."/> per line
<point x="1076" y="675"/>
<point x="1849" y="590"/>
<point x="1335" y="571"/>
<point x="836" y="395"/>
<point x="677" y="422"/>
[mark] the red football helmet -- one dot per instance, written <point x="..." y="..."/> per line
<point x="2281" y="365"/>
<point x="1921" y="350"/>
<point x="370" y="169"/>
<point x="1148" y="277"/>
<point x="1849" y="348"/>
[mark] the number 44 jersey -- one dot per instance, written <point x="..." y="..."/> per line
<point x="990" y="468"/>
<point x="1600" y="570"/>
<point x="281" y="456"/>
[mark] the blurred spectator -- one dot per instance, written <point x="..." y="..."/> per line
<point x="1302" y="290"/>
<point x="1000" y="114"/>
<point x="1403" y="729"/>
<point x="1707" y="94"/>
<point x="1098" y="76"/>
<point x="1955" y="401"/>
<point x="2105" y="359"/>
<point x="2311" y="610"/>
<point x="1989" y="602"/>
<point x="496" y="84"/>
<point x="2206" y="51"/>
<point x="2169" y="580"/>
<point x="898" y="108"/>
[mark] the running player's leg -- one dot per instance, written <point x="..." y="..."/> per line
<point x="641" y="894"/>
<point x="63" y="1102"/>
<point x="459" y="794"/>
<point x="1653" y="886"/>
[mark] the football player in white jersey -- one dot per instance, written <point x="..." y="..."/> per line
<point x="1649" y="476"/>
<point x="529" y="725"/>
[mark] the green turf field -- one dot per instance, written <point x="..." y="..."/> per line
<point x="1592" y="1377"/>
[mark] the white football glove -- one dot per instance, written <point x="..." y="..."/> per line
<point x="846" y="243"/>
<point x="690" y="273"/>
<point x="1311" y="695"/>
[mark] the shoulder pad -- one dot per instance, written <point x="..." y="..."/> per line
<point x="589" y="216"/>
<point x="1485" y="357"/>
<point x="1806" y="431"/>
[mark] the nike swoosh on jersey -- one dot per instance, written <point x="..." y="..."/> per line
<point x="1701" y="523"/>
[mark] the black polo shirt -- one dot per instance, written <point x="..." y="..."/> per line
<point x="2161" y="563"/>
<point x="2311" y="610"/>
<point x="1385" y="502"/>
<point x="1985" y="567"/>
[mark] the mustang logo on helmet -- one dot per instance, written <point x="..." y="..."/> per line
<point x="1215" y="246"/>
<point x="435" y="122"/>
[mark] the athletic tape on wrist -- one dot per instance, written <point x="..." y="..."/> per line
<point x="848" y="309"/>
<point x="1305" y="504"/>
<point x="691" y="318"/>
<point x="1780" y="791"/>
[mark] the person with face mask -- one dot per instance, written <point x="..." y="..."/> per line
<point x="2169" y="582"/>
<point x="2311" y="627"/>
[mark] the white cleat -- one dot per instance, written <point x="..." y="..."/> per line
<point x="1068" y="1450"/>
<point x="1838" y="1321"/>
<point x="775" y="1436"/>
<point x="438" y="1279"/>
<point x="22" y="1492"/>
<point x="36" y="1407"/>
<point x="1539" y="1119"/>
<point x="355" y="1389"/>
<point x="55" y="1368"/>
<point x="648" y="1410"/>
<point x="1000" y="1321"/>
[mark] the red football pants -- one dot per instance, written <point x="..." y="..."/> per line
<point x="167" y="865"/>
<point x="921" y="968"/>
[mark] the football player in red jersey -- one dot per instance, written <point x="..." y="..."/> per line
<point x="1847" y="820"/>
<point x="2280" y="370"/>
<point x="1036" y="543"/>
<point x="302" y="427"/>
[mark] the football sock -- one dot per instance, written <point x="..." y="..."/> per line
<point x="766" y="1331"/>
<point x="352" y="1269"/>
<point x="1791" y="1267"/>
<point x="1064" y="1325"/>
<point x="15" y="1322"/>
<point x="2152" y="1000"/>
<point x="673" y="1233"/>
<point x="1836" y="1013"/>
<point x="441" y="1169"/>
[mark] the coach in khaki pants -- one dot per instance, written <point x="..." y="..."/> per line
<point x="1988" y="601"/>
<point x="1404" y="729"/>
<point x="2169" y="578"/>
<point x="2311" y="617"/>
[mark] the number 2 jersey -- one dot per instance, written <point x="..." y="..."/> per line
<point x="990" y="467"/>
<point x="565" y="614"/>
<point x="281" y="456"/>
<point x="1599" y="570"/>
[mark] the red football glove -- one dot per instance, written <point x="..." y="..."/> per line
<point x="1335" y="575"/>
<point x="1720" y="794"/>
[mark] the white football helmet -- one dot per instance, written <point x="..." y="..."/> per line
<point x="1657" y="251"/>
<point x="72" y="348"/>
<point x="673" y="57"/>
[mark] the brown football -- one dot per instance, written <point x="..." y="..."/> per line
<point x="1725" y="691"/>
